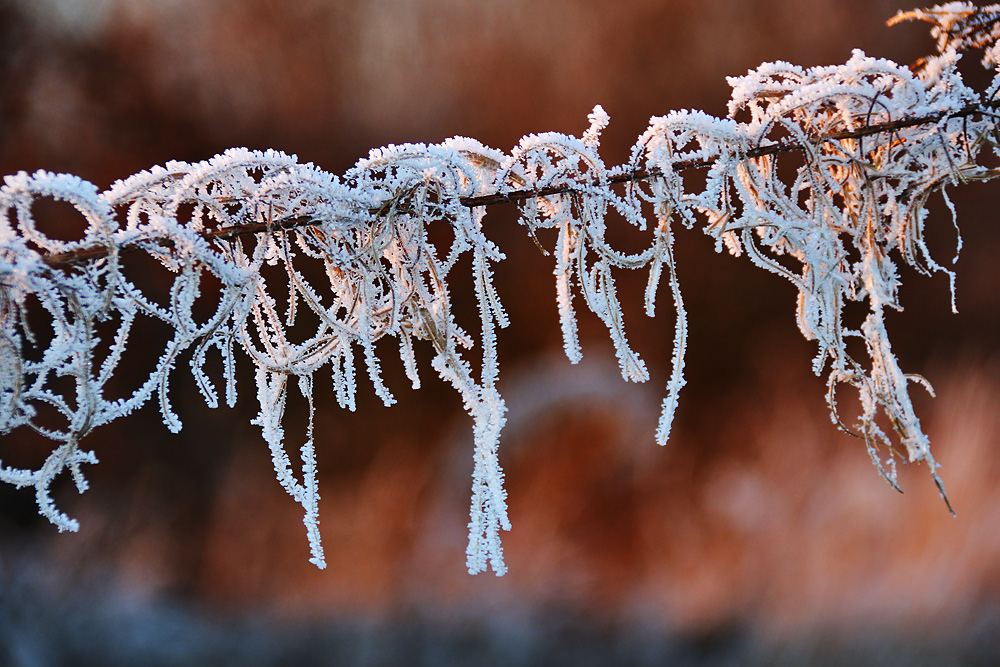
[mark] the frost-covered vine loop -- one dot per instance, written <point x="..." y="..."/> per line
<point x="820" y="176"/>
<point x="74" y="299"/>
<point x="960" y="26"/>
<point x="855" y="197"/>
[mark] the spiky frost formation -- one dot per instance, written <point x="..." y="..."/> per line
<point x="854" y="208"/>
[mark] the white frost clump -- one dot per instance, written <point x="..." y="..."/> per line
<point x="867" y="143"/>
<point x="855" y="197"/>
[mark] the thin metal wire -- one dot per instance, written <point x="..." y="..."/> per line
<point x="95" y="252"/>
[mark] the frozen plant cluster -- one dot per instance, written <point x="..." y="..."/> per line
<point x="818" y="175"/>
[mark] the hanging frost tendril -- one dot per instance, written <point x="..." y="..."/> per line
<point x="849" y="204"/>
<point x="818" y="175"/>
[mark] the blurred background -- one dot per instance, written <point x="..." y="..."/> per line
<point x="759" y="536"/>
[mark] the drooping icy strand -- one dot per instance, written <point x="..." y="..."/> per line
<point x="356" y="262"/>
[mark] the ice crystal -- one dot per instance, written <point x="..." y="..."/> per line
<point x="866" y="143"/>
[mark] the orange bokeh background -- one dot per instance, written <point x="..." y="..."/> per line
<point x="760" y="529"/>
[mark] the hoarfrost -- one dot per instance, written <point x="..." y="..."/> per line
<point x="867" y="141"/>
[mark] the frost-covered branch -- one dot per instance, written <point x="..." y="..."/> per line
<point x="818" y="175"/>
